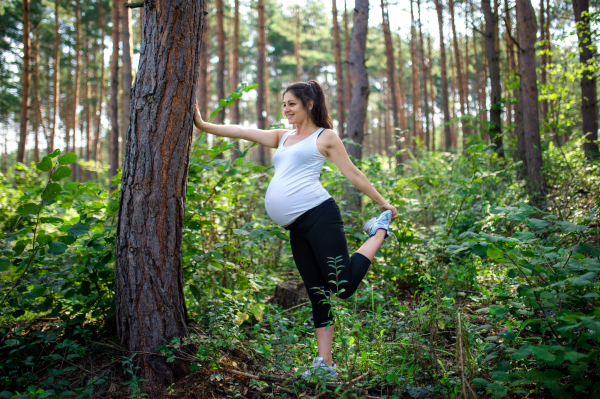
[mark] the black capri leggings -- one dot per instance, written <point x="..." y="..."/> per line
<point x="317" y="238"/>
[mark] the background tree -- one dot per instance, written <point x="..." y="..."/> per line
<point x="153" y="189"/>
<point x="127" y="72"/>
<point x="589" y="101"/>
<point x="339" y="91"/>
<point x="113" y="147"/>
<point x="25" y="83"/>
<point x="261" y="112"/>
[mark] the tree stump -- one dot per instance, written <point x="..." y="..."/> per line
<point x="289" y="294"/>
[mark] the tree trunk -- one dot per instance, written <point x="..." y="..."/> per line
<point x="68" y="101"/>
<point x="416" y="87"/>
<point x="360" y="92"/>
<point x="392" y="79"/>
<point x="402" y="88"/>
<point x="113" y="147"/>
<point x="543" y="58"/>
<point x="348" y="98"/>
<point x="527" y="28"/>
<point x="75" y="104"/>
<point x="88" y="116"/>
<point x="203" y="92"/>
<point x="431" y="94"/>
<point x="297" y="43"/>
<point x="25" y="84"/>
<point x="260" y="77"/>
<point x="220" y="117"/>
<point x="127" y="55"/>
<point x="459" y="74"/>
<point x="445" y="94"/>
<point x="493" y="58"/>
<point x="55" y="80"/>
<point x="454" y="116"/>
<point x="149" y="298"/>
<point x="510" y="60"/>
<point x="339" y="87"/>
<point x="97" y="153"/>
<point x="424" y="78"/>
<point x="589" y="104"/>
<point x="35" y="95"/>
<point x="235" y="78"/>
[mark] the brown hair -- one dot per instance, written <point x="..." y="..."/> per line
<point x="312" y="91"/>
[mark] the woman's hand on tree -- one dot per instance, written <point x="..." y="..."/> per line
<point x="392" y="208"/>
<point x="198" y="122"/>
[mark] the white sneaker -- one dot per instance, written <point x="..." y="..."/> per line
<point x="380" y="222"/>
<point x="319" y="367"/>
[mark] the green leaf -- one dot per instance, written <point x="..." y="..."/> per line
<point x="256" y="233"/>
<point x="51" y="191"/>
<point x="241" y="232"/>
<point x="507" y="334"/>
<point x="55" y="153"/>
<point x="27" y="209"/>
<point x="494" y="252"/>
<point x="78" y="229"/>
<point x="196" y="293"/>
<point x="57" y="247"/>
<point x="522" y="352"/>
<point x="480" y="381"/>
<point x="61" y="173"/>
<point x="479" y="249"/>
<point x="391" y="378"/>
<point x="45" y="164"/>
<point x="67" y="159"/>
<point x="570" y="227"/>
<point x="536" y="224"/>
<point x="542" y="354"/>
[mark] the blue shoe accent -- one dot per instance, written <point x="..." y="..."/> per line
<point x="319" y="367"/>
<point x="380" y="222"/>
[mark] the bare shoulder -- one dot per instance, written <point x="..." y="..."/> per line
<point x="329" y="138"/>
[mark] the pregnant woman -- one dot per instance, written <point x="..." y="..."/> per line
<point x="297" y="201"/>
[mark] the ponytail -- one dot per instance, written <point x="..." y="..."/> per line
<point x="312" y="91"/>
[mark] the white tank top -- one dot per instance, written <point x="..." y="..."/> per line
<point x="295" y="187"/>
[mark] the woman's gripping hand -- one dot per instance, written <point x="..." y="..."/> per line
<point x="390" y="207"/>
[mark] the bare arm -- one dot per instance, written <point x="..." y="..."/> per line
<point x="268" y="138"/>
<point x="331" y="143"/>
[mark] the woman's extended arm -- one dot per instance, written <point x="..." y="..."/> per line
<point x="337" y="153"/>
<point x="268" y="138"/>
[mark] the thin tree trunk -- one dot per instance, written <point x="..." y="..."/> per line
<point x="127" y="55"/>
<point x="424" y="73"/>
<point x="392" y="78"/>
<point x="543" y="59"/>
<point x="55" y="80"/>
<point x="297" y="43"/>
<point x="68" y="101"/>
<point x="431" y="94"/>
<point x="360" y="92"/>
<point x="113" y="147"/>
<point x="589" y="103"/>
<point x="416" y="88"/>
<point x="459" y="74"/>
<point x="149" y="298"/>
<point x="454" y="116"/>
<point x="445" y="94"/>
<point x="386" y="94"/>
<point x="402" y="91"/>
<point x="88" y="116"/>
<point x="220" y="117"/>
<point x="25" y="84"/>
<point x="203" y="92"/>
<point x="526" y="21"/>
<point x="339" y="87"/>
<point x="347" y="50"/>
<point x="510" y="59"/>
<point x="97" y="152"/>
<point x="235" y="78"/>
<point x="493" y="58"/>
<point x="77" y="83"/>
<point x="35" y="95"/>
<point x="261" y="78"/>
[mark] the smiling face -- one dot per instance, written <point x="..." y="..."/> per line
<point x="293" y="109"/>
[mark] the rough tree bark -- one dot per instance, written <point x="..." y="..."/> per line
<point x="55" y="80"/>
<point x="459" y="74"/>
<point x="113" y="146"/>
<point x="24" y="83"/>
<point x="424" y="68"/>
<point x="392" y="77"/>
<point x="589" y="102"/>
<point x="416" y="86"/>
<point x="339" y="87"/>
<point x="493" y="58"/>
<point x="261" y="116"/>
<point x="149" y="298"/>
<point x="203" y="90"/>
<point x="445" y="94"/>
<point x="527" y="29"/>
<point x="510" y="59"/>
<point x="543" y="57"/>
<point x="360" y="92"/>
<point x="127" y="73"/>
